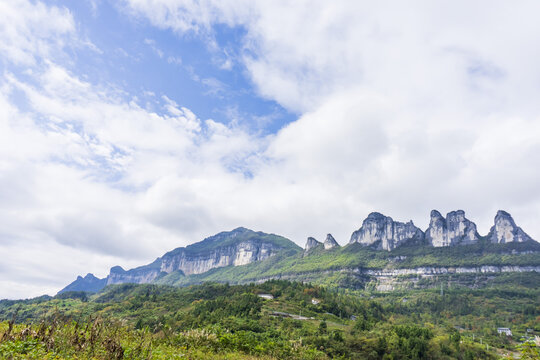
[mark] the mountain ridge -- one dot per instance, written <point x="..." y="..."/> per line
<point x="373" y="246"/>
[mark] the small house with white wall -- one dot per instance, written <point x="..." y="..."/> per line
<point x="505" y="331"/>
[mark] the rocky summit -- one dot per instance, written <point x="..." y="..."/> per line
<point x="330" y="242"/>
<point x="240" y="246"/>
<point x="455" y="229"/>
<point x="273" y="256"/>
<point x="385" y="233"/>
<point x="311" y="244"/>
<point x="505" y="230"/>
<point x="88" y="283"/>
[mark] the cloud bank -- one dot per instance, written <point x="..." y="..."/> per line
<point x="401" y="109"/>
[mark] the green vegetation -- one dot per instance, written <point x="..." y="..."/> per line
<point x="229" y="238"/>
<point x="302" y="321"/>
<point x="295" y="266"/>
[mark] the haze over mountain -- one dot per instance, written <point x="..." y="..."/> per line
<point x="135" y="126"/>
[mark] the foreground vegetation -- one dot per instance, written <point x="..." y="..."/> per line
<point x="302" y="321"/>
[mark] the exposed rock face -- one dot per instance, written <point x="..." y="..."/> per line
<point x="456" y="229"/>
<point x="238" y="247"/>
<point x="387" y="233"/>
<point x="140" y="275"/>
<point x="505" y="230"/>
<point x="312" y="243"/>
<point x="330" y="242"/>
<point x="238" y="254"/>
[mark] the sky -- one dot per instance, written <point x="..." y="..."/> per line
<point x="131" y="127"/>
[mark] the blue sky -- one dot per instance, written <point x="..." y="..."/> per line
<point x="129" y="128"/>
<point x="142" y="60"/>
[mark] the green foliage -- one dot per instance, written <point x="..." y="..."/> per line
<point x="319" y="265"/>
<point x="220" y="321"/>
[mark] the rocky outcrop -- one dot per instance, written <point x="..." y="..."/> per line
<point x="442" y="270"/>
<point x="242" y="253"/>
<point x="237" y="247"/>
<point x="240" y="246"/>
<point x="311" y="244"/>
<point x="411" y="274"/>
<point x="505" y="230"/>
<point x="243" y="246"/>
<point x="330" y="242"/>
<point x="456" y="229"/>
<point x="88" y="283"/>
<point x="140" y="275"/>
<point x="385" y="233"/>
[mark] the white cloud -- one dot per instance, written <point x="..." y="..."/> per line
<point x="403" y="105"/>
<point x="402" y="109"/>
<point x="32" y="31"/>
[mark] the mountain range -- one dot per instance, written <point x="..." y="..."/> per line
<point x="380" y="252"/>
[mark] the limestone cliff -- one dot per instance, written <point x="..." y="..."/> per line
<point x="240" y="246"/>
<point x="330" y="242"/>
<point x="505" y="230"/>
<point x="455" y="229"/>
<point x="311" y="244"/>
<point x="237" y="247"/>
<point x="386" y="233"/>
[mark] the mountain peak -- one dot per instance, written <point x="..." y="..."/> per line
<point x="312" y="243"/>
<point x="376" y="216"/>
<point x="88" y="283"/>
<point x="435" y="214"/>
<point x="387" y="234"/>
<point x="505" y="229"/>
<point x="453" y="230"/>
<point x="330" y="242"/>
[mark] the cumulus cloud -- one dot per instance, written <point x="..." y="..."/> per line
<point x="408" y="102"/>
<point x="401" y="109"/>
<point x="30" y="31"/>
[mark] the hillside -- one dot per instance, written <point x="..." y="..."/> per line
<point x="293" y="321"/>
<point x="229" y="248"/>
<point x="353" y="264"/>
<point x="381" y="253"/>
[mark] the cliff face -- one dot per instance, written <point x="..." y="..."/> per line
<point x="140" y="275"/>
<point x="505" y="230"/>
<point x="456" y="229"/>
<point x="330" y="242"/>
<point x="242" y="253"/>
<point x="312" y="243"/>
<point x="243" y="246"/>
<point x="240" y="246"/>
<point x="388" y="233"/>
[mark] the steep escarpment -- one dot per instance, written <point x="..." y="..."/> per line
<point x="380" y="244"/>
<point x="455" y="229"/>
<point x="385" y="233"/>
<point x="330" y="242"/>
<point x="240" y="246"/>
<point x="505" y="230"/>
<point x="311" y="244"/>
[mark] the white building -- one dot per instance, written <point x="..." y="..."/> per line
<point x="505" y="331"/>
